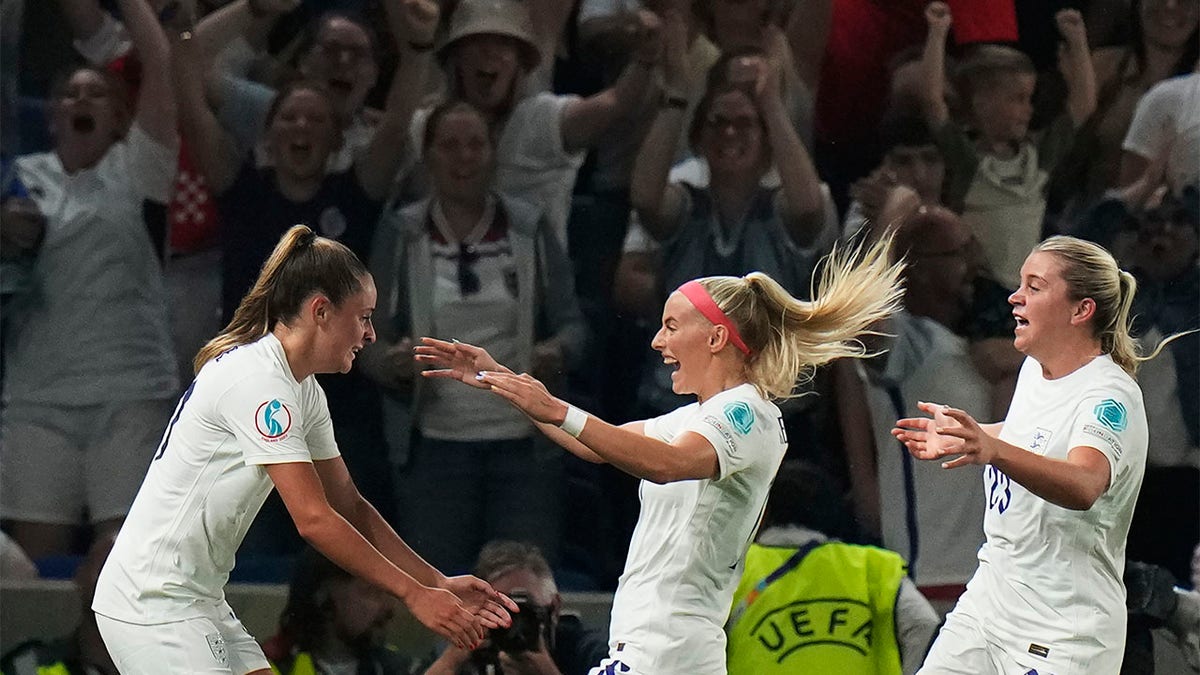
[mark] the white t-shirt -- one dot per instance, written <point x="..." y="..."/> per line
<point x="96" y="330"/>
<point x="686" y="555"/>
<point x="207" y="483"/>
<point x="1049" y="576"/>
<point x="1169" y="113"/>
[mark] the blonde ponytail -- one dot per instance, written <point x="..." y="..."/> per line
<point x="1091" y="272"/>
<point x="790" y="338"/>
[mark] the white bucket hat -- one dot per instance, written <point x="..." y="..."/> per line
<point x="509" y="18"/>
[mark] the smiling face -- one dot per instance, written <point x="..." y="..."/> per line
<point x="731" y="139"/>
<point x="342" y="59"/>
<point x="1003" y="108"/>
<point x="487" y="67"/>
<point x="684" y="342"/>
<point x="1042" y="306"/>
<point x="460" y="155"/>
<point x="302" y="133"/>
<point x="348" y="328"/>
<point x="88" y="115"/>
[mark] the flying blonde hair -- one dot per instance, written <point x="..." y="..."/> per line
<point x="789" y="338"/>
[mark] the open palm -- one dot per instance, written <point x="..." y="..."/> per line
<point x="456" y="361"/>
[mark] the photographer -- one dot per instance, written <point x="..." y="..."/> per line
<point x="541" y="640"/>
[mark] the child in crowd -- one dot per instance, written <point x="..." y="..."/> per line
<point x="997" y="170"/>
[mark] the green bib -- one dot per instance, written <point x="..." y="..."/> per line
<point x="834" y="612"/>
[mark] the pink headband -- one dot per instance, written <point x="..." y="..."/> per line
<point x="702" y="301"/>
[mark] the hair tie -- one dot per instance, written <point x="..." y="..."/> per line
<point x="698" y="295"/>
<point x="306" y="238"/>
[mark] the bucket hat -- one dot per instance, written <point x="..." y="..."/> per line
<point x="509" y="18"/>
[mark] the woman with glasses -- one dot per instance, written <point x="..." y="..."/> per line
<point x="740" y="131"/>
<point x="480" y="267"/>
<point x="303" y="128"/>
<point x="756" y="204"/>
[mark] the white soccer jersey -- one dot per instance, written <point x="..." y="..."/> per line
<point x="685" y="558"/>
<point x="207" y="482"/>
<point x="1049" y="579"/>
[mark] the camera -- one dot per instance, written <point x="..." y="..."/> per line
<point x="532" y="622"/>
<point x="528" y="625"/>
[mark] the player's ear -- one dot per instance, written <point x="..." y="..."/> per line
<point x="319" y="308"/>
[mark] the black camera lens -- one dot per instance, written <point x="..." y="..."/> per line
<point x="528" y="626"/>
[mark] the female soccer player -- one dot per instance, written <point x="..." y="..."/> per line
<point x="736" y="343"/>
<point x="255" y="418"/>
<point x="1062" y="475"/>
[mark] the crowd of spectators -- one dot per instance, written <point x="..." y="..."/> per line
<point x="535" y="176"/>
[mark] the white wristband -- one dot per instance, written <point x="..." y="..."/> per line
<point x="574" y="421"/>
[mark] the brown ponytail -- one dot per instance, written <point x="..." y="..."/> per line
<point x="301" y="264"/>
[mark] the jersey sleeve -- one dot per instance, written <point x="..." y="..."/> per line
<point x="667" y="427"/>
<point x="268" y="419"/>
<point x="1102" y="421"/>
<point x="735" y="427"/>
<point x="318" y="432"/>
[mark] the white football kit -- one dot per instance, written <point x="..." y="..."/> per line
<point x="206" y="484"/>
<point x="1048" y="596"/>
<point x="686" y="555"/>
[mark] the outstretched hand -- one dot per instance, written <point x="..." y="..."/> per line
<point x="526" y="393"/>
<point x="975" y="444"/>
<point x="935" y="437"/>
<point x="442" y="612"/>
<point x="490" y="606"/>
<point x="455" y="360"/>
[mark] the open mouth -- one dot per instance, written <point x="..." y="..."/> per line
<point x="84" y="124"/>
<point x="486" y="79"/>
<point x="1021" y="322"/>
<point x="300" y="150"/>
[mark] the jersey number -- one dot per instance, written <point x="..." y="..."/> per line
<point x="999" y="488"/>
<point x="162" y="446"/>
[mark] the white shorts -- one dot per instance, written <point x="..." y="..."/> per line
<point x="963" y="647"/>
<point x="64" y="463"/>
<point x="217" y="643"/>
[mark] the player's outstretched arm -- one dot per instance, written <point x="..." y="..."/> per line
<point x="326" y="530"/>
